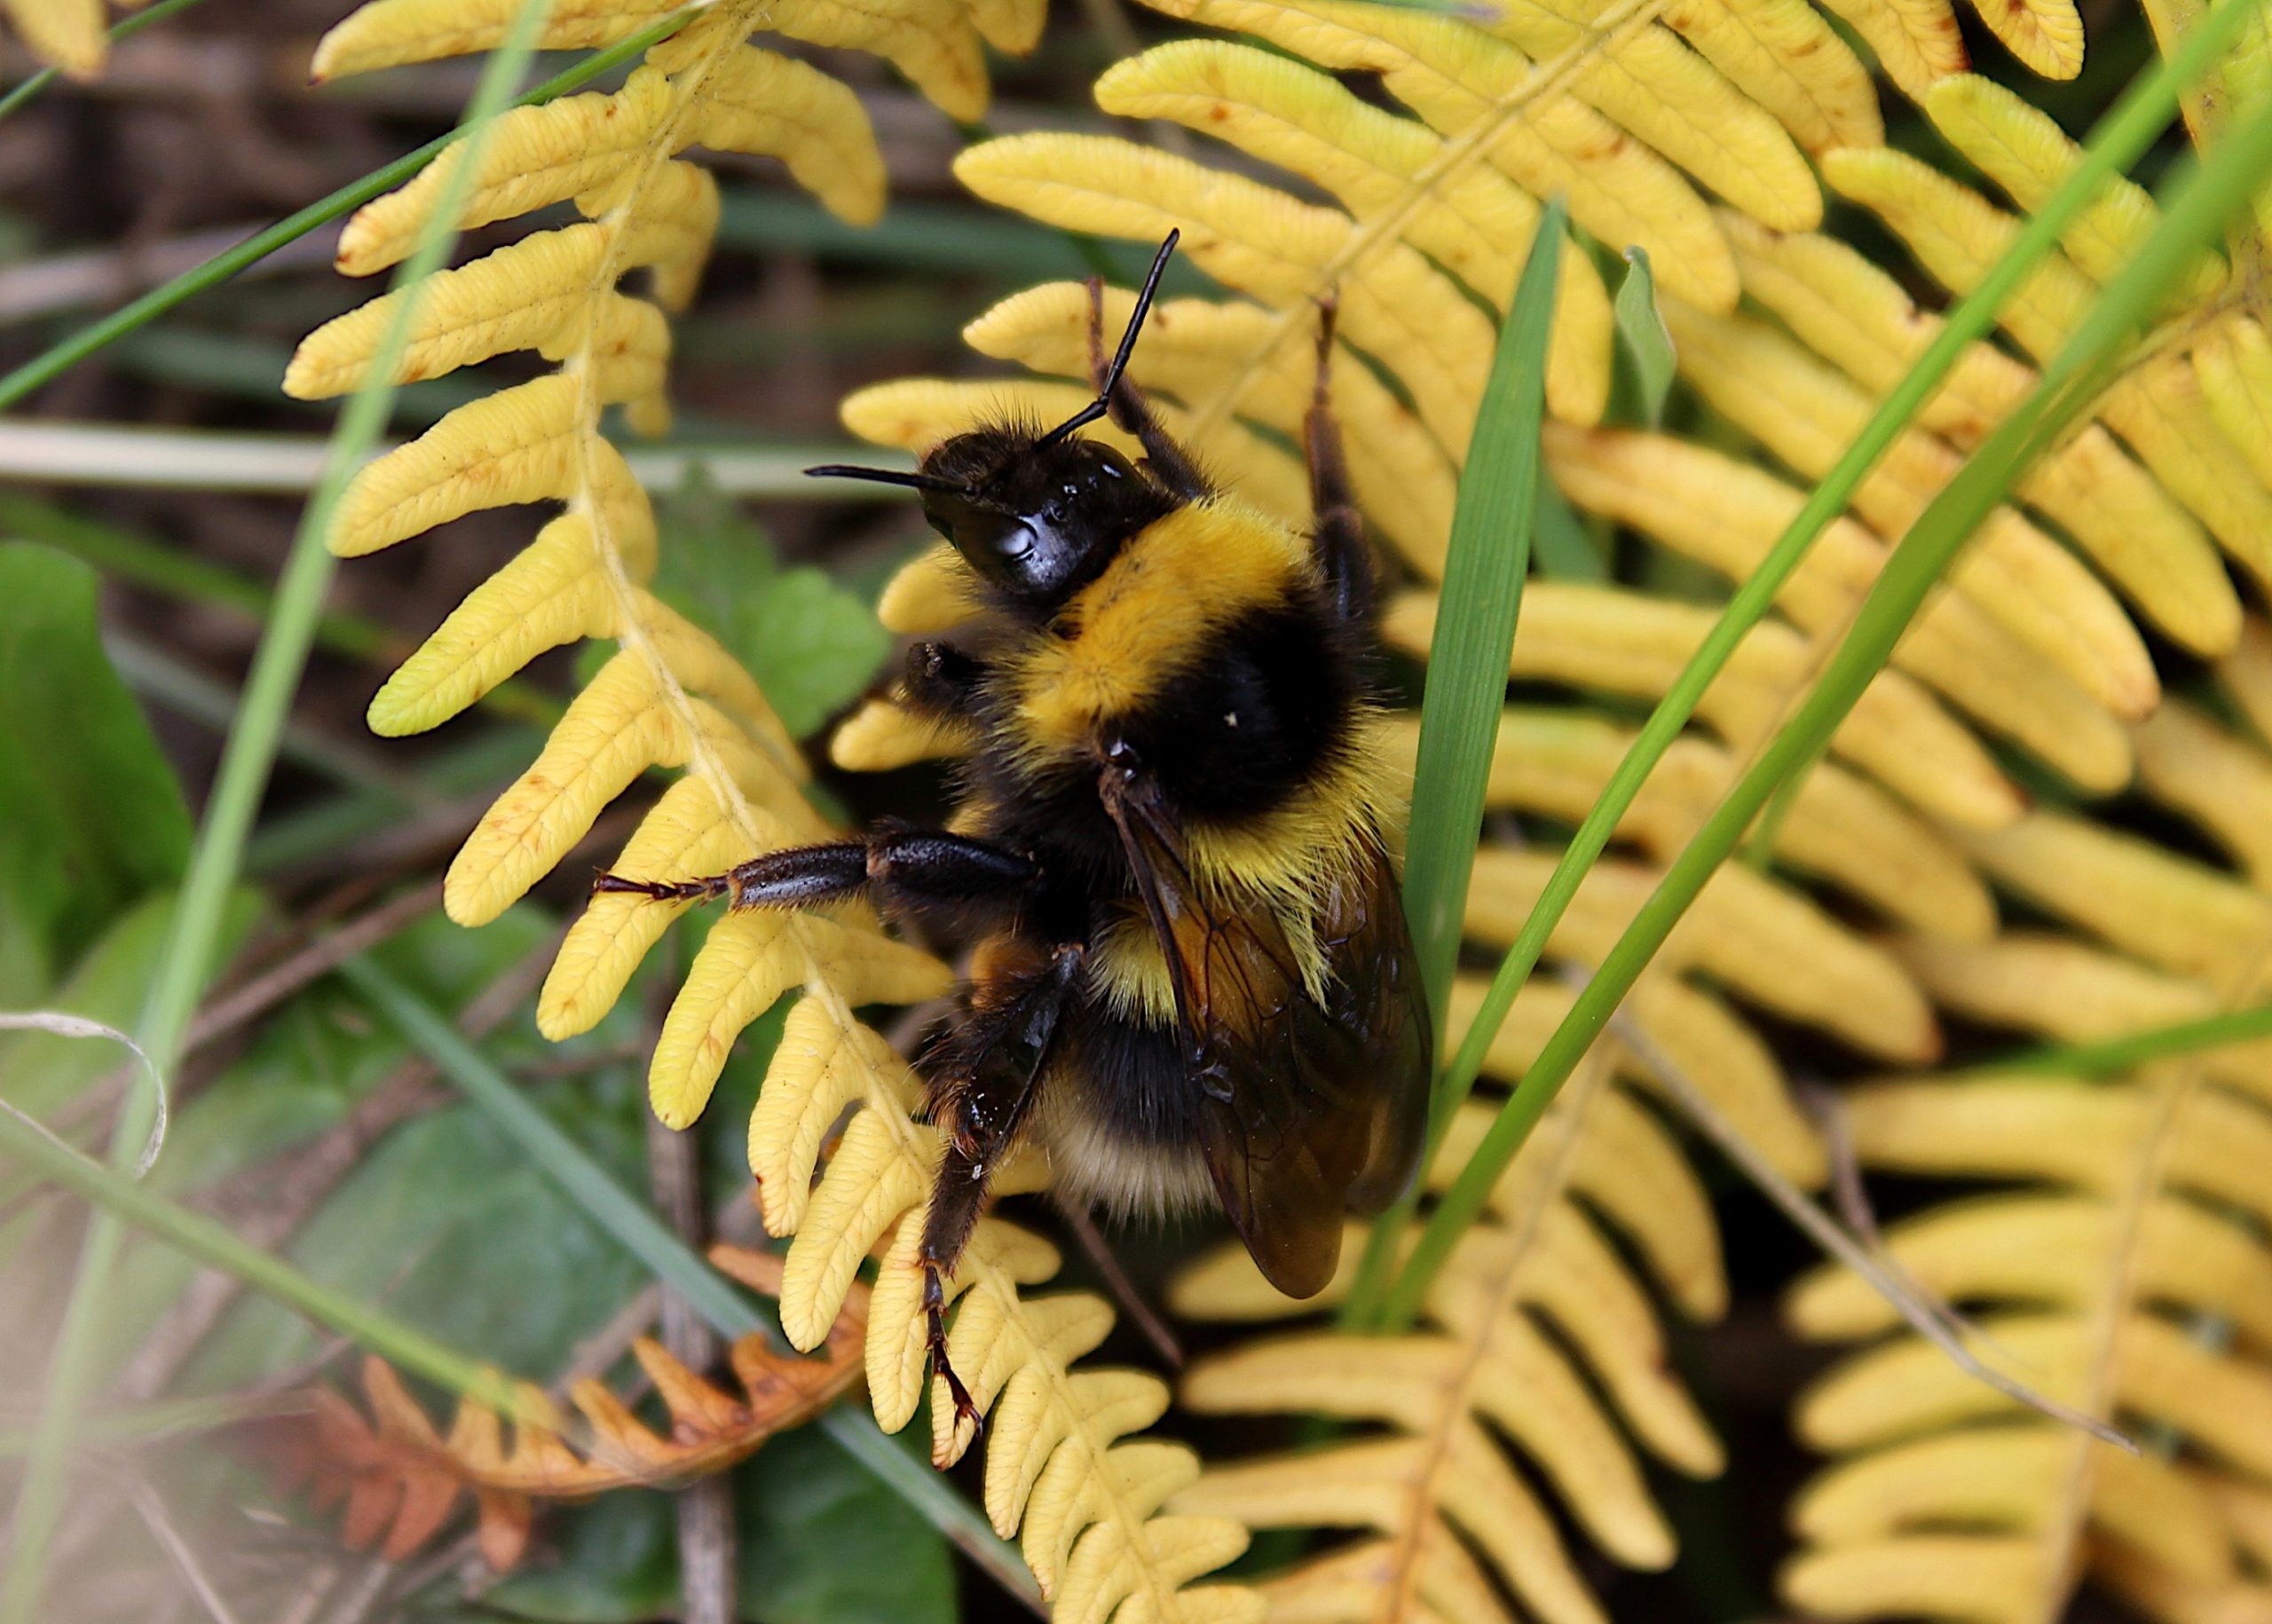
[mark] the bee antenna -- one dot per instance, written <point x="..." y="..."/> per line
<point x="887" y="476"/>
<point x="1097" y="408"/>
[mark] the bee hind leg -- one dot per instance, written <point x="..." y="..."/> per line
<point x="1169" y="463"/>
<point x="1337" y="536"/>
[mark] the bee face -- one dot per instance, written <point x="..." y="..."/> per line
<point x="1037" y="520"/>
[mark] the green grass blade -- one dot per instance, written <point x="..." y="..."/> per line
<point x="1475" y="627"/>
<point x="2117" y="142"/>
<point x="61" y="358"/>
<point x="119" y="30"/>
<point x="1484" y="571"/>
<point x="674" y="1264"/>
<point x="242" y="778"/>
<point x="2211" y="195"/>
<point x="2134" y="1049"/>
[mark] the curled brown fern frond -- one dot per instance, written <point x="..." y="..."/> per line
<point x="2121" y="1265"/>
<point x="397" y="1478"/>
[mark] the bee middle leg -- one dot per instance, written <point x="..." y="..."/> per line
<point x="993" y="1073"/>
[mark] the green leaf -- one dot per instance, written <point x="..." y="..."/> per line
<point x="813" y="646"/>
<point x="94" y="817"/>
<point x="445" y="1221"/>
<point x="1642" y="335"/>
<point x="824" y="1541"/>
<point x="614" y="1561"/>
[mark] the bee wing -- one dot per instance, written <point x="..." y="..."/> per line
<point x="1310" y="1106"/>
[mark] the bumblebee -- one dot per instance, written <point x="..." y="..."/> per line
<point x="1191" y="979"/>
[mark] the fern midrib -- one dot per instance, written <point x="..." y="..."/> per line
<point x="2063" y="1529"/>
<point x="633" y="635"/>
<point x="1615" y="27"/>
<point x="1459" y="1406"/>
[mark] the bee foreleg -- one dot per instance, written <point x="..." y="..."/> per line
<point x="1338" y="535"/>
<point x="912" y="868"/>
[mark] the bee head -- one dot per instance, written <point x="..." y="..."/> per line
<point x="1036" y="514"/>
<point x="1038" y="518"/>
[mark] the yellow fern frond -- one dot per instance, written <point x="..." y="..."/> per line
<point x="1917" y="42"/>
<point x="1861" y="321"/>
<point x="69" y="34"/>
<point x="1726" y="513"/>
<point x="1479" y="1375"/>
<point x="1089" y="1504"/>
<point x="1618" y="641"/>
<point x="2133" y="1210"/>
<point x="673" y="697"/>
<point x="1786" y="57"/>
<point x="2163" y="406"/>
<point x="1432" y="206"/>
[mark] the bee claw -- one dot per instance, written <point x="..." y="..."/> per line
<point x="655" y="890"/>
<point x="603" y="883"/>
<point x="935" y="1309"/>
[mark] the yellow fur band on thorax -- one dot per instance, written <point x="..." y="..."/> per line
<point x="1134" y="628"/>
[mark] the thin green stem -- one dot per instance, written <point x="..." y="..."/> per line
<point x="239" y="784"/>
<point x="2121" y="138"/>
<point x="654" y="1243"/>
<point x="134" y="24"/>
<point x="195" y="1235"/>
<point x="2209" y="198"/>
<point x="2134" y="1049"/>
<point x="157" y="1420"/>
<point x="1759" y="845"/>
<point x="61" y="358"/>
